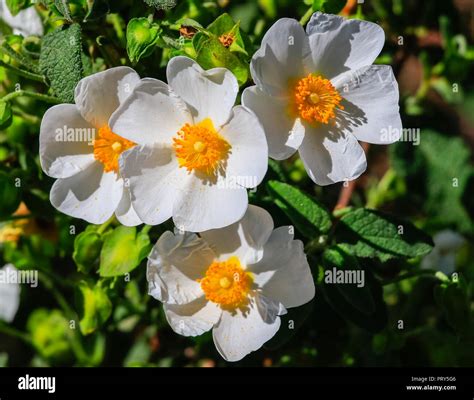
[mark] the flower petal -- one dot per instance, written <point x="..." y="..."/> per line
<point x="99" y="95"/>
<point x="238" y="334"/>
<point x="209" y="94"/>
<point x="27" y="22"/>
<point x="151" y="114"/>
<point x="192" y="319"/>
<point x="339" y="44"/>
<point x="330" y="155"/>
<point x="371" y="104"/>
<point x="9" y="296"/>
<point x="283" y="273"/>
<point x="284" y="134"/>
<point x="248" y="161"/>
<point x="154" y="178"/>
<point x="65" y="142"/>
<point x="91" y="195"/>
<point x="245" y="239"/>
<point x="205" y="205"/>
<point x="125" y="212"/>
<point x="280" y="57"/>
<point x="174" y="266"/>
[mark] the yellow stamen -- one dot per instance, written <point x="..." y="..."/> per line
<point x="200" y="148"/>
<point x="226" y="283"/>
<point x="108" y="147"/>
<point x="315" y="99"/>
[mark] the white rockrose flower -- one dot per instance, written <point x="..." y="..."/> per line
<point x="78" y="148"/>
<point x="198" y="154"/>
<point x="317" y="92"/>
<point x="27" y="22"/>
<point x="236" y="281"/>
<point x="443" y="256"/>
<point x="9" y="295"/>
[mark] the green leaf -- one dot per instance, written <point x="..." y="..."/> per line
<point x="5" y="114"/>
<point x="373" y="322"/>
<point x="9" y="194"/>
<point x="142" y="38"/>
<point x="61" y="60"/>
<point x="337" y="261"/>
<point x="213" y="54"/>
<point x="308" y="216"/>
<point x="15" y="6"/>
<point x="225" y="25"/>
<point x="161" y="4"/>
<point x="371" y="233"/>
<point x="123" y="250"/>
<point x="94" y="307"/>
<point x="87" y="246"/>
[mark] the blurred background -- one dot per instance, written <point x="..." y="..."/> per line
<point x="428" y="178"/>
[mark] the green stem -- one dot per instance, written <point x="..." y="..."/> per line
<point x="105" y="225"/>
<point x="33" y="119"/>
<point x="24" y="73"/>
<point x="37" y="96"/>
<point x="409" y="275"/>
<point x="117" y="22"/>
<point x="10" y="331"/>
<point x="19" y="58"/>
<point x="48" y="283"/>
<point x="305" y="18"/>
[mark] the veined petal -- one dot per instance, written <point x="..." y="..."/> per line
<point x="331" y="155"/>
<point x="284" y="134"/>
<point x="66" y="142"/>
<point x="153" y="113"/>
<point x="97" y="96"/>
<point x="91" y="195"/>
<point x="245" y="239"/>
<point x="248" y="159"/>
<point x="339" y="44"/>
<point x="208" y="94"/>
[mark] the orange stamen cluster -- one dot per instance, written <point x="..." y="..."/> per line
<point x="226" y="283"/>
<point x="108" y="148"/>
<point x="315" y="99"/>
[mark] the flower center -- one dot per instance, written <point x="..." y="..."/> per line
<point x="315" y="99"/>
<point x="199" y="147"/>
<point x="227" y="283"/>
<point x="108" y="147"/>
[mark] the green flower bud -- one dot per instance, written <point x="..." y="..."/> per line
<point x="142" y="36"/>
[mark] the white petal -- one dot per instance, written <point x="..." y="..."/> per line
<point x="91" y="194"/>
<point x="284" y="134"/>
<point x="9" y="295"/>
<point x="99" y="95"/>
<point x="238" y="334"/>
<point x="125" y="212"/>
<point x="151" y="114"/>
<point x="371" y="110"/>
<point x="192" y="319"/>
<point x="209" y="94"/>
<point x="66" y="142"/>
<point x="154" y="179"/>
<point x="280" y="57"/>
<point x="248" y="161"/>
<point x="245" y="239"/>
<point x="339" y="44"/>
<point x="27" y="22"/>
<point x="204" y="205"/>
<point x="283" y="273"/>
<point x="331" y="156"/>
<point x="448" y="241"/>
<point x="174" y="266"/>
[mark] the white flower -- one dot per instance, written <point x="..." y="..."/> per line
<point x="27" y="22"/>
<point x="318" y="92"/>
<point x="443" y="256"/>
<point x="78" y="147"/>
<point x="198" y="154"/>
<point x="236" y="281"/>
<point x="9" y="296"/>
